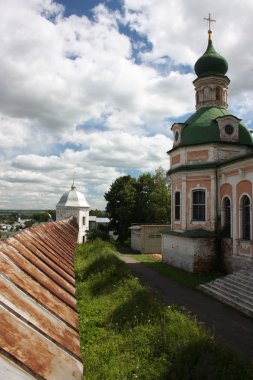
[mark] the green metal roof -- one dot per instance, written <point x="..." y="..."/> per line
<point x="211" y="63"/>
<point x="202" y="127"/>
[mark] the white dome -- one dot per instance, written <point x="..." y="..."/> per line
<point x="72" y="198"/>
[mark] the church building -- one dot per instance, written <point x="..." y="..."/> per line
<point x="211" y="173"/>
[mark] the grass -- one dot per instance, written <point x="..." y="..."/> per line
<point x="191" y="280"/>
<point x="126" y="333"/>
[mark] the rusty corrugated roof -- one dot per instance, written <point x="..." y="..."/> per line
<point x="38" y="319"/>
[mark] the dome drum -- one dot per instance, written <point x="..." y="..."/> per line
<point x="211" y="92"/>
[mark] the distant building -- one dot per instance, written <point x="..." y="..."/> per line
<point x="96" y="221"/>
<point x="73" y="203"/>
<point x="146" y="238"/>
<point x="5" y="227"/>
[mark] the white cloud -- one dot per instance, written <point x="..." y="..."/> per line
<point x="60" y="73"/>
<point x="38" y="163"/>
<point x="117" y="149"/>
<point x="176" y="29"/>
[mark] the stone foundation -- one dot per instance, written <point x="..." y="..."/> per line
<point x="232" y="262"/>
<point x="195" y="255"/>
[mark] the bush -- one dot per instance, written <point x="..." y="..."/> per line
<point x="102" y="232"/>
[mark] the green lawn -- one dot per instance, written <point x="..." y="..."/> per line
<point x="191" y="280"/>
<point x="127" y="333"/>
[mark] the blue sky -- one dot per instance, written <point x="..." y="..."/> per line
<point x="94" y="88"/>
<point x="85" y="7"/>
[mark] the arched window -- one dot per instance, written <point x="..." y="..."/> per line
<point x="199" y="205"/>
<point x="218" y="93"/>
<point x="227" y="216"/>
<point x="226" y="96"/>
<point x="197" y="95"/>
<point x="177" y="205"/>
<point x="245" y="217"/>
<point x="207" y="93"/>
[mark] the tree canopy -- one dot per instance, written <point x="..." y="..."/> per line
<point x="99" y="213"/>
<point x="142" y="200"/>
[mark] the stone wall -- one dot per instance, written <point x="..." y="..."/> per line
<point x="192" y="254"/>
<point x="232" y="262"/>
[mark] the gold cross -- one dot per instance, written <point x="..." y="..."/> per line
<point x="209" y="20"/>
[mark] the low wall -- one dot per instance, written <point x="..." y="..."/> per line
<point x="192" y="254"/>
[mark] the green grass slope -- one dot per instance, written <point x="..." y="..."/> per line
<point x="126" y="333"/>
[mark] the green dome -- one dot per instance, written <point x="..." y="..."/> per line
<point x="210" y="63"/>
<point x="202" y="128"/>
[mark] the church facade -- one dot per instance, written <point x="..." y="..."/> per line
<point x="211" y="173"/>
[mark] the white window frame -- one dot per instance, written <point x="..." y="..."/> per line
<point x="193" y="221"/>
<point x="241" y="215"/>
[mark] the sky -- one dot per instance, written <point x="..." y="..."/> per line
<point x="92" y="87"/>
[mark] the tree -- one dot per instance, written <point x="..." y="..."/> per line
<point x="102" y="232"/>
<point x="144" y="188"/>
<point x="29" y="223"/>
<point x="121" y="200"/>
<point x="41" y="216"/>
<point x="99" y="213"/>
<point x="145" y="200"/>
<point x="160" y="198"/>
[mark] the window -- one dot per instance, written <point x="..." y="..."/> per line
<point x="198" y="97"/>
<point x="229" y="129"/>
<point x="218" y="93"/>
<point x="199" y="205"/>
<point x="226" y="96"/>
<point x="245" y="215"/>
<point x="207" y="93"/>
<point x="227" y="217"/>
<point x="177" y="205"/>
<point x="83" y="220"/>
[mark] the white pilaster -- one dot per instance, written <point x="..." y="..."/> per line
<point x="184" y="209"/>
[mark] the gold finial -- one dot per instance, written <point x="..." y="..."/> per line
<point x="209" y="26"/>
